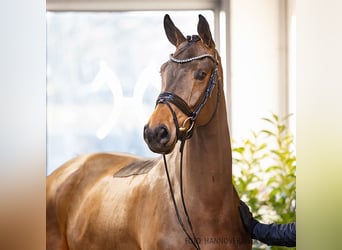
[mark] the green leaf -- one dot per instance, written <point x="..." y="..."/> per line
<point x="268" y="120"/>
<point x="268" y="132"/>
<point x="262" y="146"/>
<point x="281" y="128"/>
<point x="272" y="169"/>
<point x="276" y="118"/>
<point x="286" y="117"/>
<point x="240" y="150"/>
<point x="273" y="179"/>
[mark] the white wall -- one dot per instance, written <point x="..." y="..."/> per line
<point x="258" y="63"/>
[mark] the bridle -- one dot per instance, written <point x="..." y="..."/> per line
<point x="167" y="98"/>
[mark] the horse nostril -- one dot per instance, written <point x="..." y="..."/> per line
<point x="159" y="135"/>
<point x="147" y="133"/>
<point x="163" y="134"/>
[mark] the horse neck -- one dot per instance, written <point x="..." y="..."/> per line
<point x="208" y="161"/>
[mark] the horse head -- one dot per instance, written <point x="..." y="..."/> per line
<point x="190" y="88"/>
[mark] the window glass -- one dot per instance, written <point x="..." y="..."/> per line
<point x="103" y="79"/>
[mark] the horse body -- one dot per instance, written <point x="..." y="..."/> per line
<point x="88" y="208"/>
<point x="116" y="201"/>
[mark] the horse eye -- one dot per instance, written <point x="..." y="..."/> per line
<point x="200" y="74"/>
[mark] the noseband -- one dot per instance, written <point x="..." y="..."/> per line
<point x="167" y="98"/>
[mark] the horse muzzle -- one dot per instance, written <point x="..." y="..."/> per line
<point x="158" y="139"/>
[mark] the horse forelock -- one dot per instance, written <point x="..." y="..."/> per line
<point x="193" y="38"/>
<point x="189" y="48"/>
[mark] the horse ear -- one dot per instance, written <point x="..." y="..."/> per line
<point x="172" y="32"/>
<point x="203" y="30"/>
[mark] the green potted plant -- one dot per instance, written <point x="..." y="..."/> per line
<point x="264" y="170"/>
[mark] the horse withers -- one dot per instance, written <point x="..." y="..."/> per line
<point x="183" y="200"/>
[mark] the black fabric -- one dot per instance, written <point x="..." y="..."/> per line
<point x="270" y="234"/>
<point x="276" y="234"/>
<point x="247" y="217"/>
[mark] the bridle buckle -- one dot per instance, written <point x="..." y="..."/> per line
<point x="183" y="128"/>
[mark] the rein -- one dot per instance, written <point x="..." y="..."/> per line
<point x="167" y="98"/>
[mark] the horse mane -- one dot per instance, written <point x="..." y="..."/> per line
<point x="138" y="167"/>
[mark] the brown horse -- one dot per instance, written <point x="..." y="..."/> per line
<point x="114" y="201"/>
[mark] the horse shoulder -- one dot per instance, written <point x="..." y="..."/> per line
<point x="69" y="185"/>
